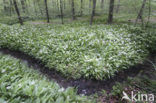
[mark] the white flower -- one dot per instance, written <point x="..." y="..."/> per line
<point x="61" y="90"/>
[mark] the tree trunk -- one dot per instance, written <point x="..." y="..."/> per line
<point x="118" y="6"/>
<point x="93" y="12"/>
<point x="111" y="8"/>
<point x="61" y="10"/>
<point x="23" y="5"/>
<point x="141" y="12"/>
<point x="73" y="10"/>
<point x="81" y="12"/>
<point x="18" y="13"/>
<point x="47" y="13"/>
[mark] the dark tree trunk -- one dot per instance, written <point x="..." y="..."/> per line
<point x="81" y="12"/>
<point x="141" y="12"/>
<point x="61" y="10"/>
<point x="118" y="6"/>
<point x="23" y="5"/>
<point x="18" y="13"/>
<point x="47" y="13"/>
<point x="73" y="10"/>
<point x="111" y="8"/>
<point x="93" y="12"/>
<point x="102" y="4"/>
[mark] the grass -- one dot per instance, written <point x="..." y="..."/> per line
<point x="78" y="50"/>
<point x="19" y="83"/>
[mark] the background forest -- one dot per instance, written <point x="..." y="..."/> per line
<point x="124" y="10"/>
<point x="77" y="51"/>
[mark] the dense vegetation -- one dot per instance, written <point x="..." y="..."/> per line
<point x="22" y="84"/>
<point x="77" y="50"/>
<point x="81" y="42"/>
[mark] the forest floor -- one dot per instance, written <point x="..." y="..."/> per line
<point x="103" y="90"/>
<point x="97" y="19"/>
<point x="143" y="82"/>
<point x="141" y="77"/>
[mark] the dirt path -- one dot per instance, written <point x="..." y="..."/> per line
<point x="86" y="87"/>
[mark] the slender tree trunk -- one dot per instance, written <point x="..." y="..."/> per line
<point x="61" y="10"/>
<point x="141" y="12"/>
<point x="118" y="6"/>
<point x="81" y="12"/>
<point x="23" y="5"/>
<point x="93" y="12"/>
<point x="73" y="10"/>
<point x="47" y="13"/>
<point x="111" y="8"/>
<point x="18" y="13"/>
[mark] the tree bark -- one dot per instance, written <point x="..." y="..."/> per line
<point x="141" y="12"/>
<point x="73" y="10"/>
<point x="61" y="10"/>
<point x="93" y="12"/>
<point x="47" y="13"/>
<point x="111" y="8"/>
<point x="18" y="13"/>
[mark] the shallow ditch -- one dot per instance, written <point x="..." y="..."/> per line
<point x="84" y="86"/>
